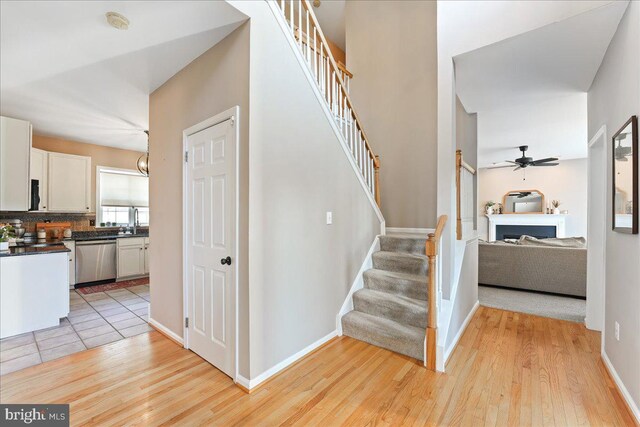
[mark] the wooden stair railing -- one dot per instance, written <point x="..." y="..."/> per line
<point x="464" y="202"/>
<point x="431" y="250"/>
<point x="329" y="77"/>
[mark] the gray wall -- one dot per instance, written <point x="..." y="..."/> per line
<point x="301" y="269"/>
<point x="467" y="141"/>
<point x="467" y="134"/>
<point x="213" y="83"/>
<point x="391" y="50"/>
<point x="613" y="98"/>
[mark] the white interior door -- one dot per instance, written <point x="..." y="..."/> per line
<point x="596" y="230"/>
<point x="210" y="244"/>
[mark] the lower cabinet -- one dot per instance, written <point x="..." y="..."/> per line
<point x="146" y="255"/>
<point x="70" y="244"/>
<point x="131" y="257"/>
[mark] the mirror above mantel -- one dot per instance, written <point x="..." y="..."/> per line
<point x="523" y="202"/>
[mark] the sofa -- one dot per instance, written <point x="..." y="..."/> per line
<point x="556" y="266"/>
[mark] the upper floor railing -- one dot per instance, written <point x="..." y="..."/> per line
<point x="465" y="199"/>
<point x="330" y="78"/>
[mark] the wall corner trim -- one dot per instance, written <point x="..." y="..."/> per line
<point x="633" y="407"/>
<point x="252" y="384"/>
<point x="166" y="332"/>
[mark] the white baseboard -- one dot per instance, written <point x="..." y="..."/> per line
<point x="166" y="331"/>
<point x="463" y="328"/>
<point x="424" y="231"/>
<point x="253" y="383"/>
<point x="358" y="283"/>
<point x="635" y="411"/>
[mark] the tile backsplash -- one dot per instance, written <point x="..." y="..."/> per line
<point x="79" y="222"/>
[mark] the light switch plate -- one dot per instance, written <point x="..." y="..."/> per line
<point x="329" y="218"/>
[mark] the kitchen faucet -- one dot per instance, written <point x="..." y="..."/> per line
<point x="136" y="221"/>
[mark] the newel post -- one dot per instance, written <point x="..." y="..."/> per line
<point x="431" y="250"/>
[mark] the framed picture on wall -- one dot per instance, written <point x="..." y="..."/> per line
<point x="625" y="177"/>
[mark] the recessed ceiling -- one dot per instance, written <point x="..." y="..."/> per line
<point x="330" y="15"/>
<point x="531" y="89"/>
<point x="65" y="69"/>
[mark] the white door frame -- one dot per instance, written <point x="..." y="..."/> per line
<point x="232" y="114"/>
<point x="597" y="304"/>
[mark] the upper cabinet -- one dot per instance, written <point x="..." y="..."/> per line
<point x="15" y="147"/>
<point x="39" y="179"/>
<point x="69" y="179"/>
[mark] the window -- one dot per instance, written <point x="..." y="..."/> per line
<point x="119" y="193"/>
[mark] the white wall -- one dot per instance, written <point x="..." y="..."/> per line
<point x="300" y="269"/>
<point x="555" y="127"/>
<point x="613" y="98"/>
<point x="566" y="182"/>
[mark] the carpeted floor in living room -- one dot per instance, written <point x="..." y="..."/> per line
<point x="554" y="306"/>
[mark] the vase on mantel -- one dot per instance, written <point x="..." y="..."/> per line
<point x="556" y="211"/>
<point x="489" y="210"/>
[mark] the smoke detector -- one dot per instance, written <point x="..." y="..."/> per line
<point x="117" y="21"/>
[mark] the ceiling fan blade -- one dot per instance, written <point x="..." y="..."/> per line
<point x="548" y="159"/>
<point x="518" y="168"/>
<point x="500" y="167"/>
<point x="544" y="164"/>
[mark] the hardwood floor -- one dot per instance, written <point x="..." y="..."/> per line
<point x="508" y="369"/>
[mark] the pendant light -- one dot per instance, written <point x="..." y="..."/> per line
<point x="143" y="161"/>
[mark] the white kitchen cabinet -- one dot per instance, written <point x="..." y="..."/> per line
<point x="71" y="245"/>
<point x="146" y="255"/>
<point x="39" y="171"/>
<point x="131" y="257"/>
<point x="15" y="151"/>
<point x="69" y="179"/>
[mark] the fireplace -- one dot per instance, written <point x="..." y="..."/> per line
<point x="515" y="225"/>
<point x="515" y="231"/>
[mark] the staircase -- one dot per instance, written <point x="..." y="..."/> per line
<point x="391" y="310"/>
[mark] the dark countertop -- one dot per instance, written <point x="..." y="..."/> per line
<point x="22" y="249"/>
<point x="83" y="236"/>
<point x="106" y="237"/>
<point x="53" y="246"/>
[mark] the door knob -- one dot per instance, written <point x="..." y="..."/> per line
<point x="226" y="260"/>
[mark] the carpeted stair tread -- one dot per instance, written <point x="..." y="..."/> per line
<point x="414" y="244"/>
<point x="401" y="309"/>
<point x="385" y="333"/>
<point x="409" y="285"/>
<point x="401" y="262"/>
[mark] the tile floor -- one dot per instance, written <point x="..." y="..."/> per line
<point x="94" y="319"/>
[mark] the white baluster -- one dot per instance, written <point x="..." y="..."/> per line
<point x="291" y="17"/>
<point x="315" y="55"/>
<point x="300" y="23"/>
<point x="307" y="33"/>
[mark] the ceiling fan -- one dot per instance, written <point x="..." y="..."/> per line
<point x="524" y="161"/>
<point x="621" y="153"/>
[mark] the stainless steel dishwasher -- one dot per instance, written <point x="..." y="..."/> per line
<point x="95" y="261"/>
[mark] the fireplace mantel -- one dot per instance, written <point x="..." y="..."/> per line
<point x="559" y="221"/>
